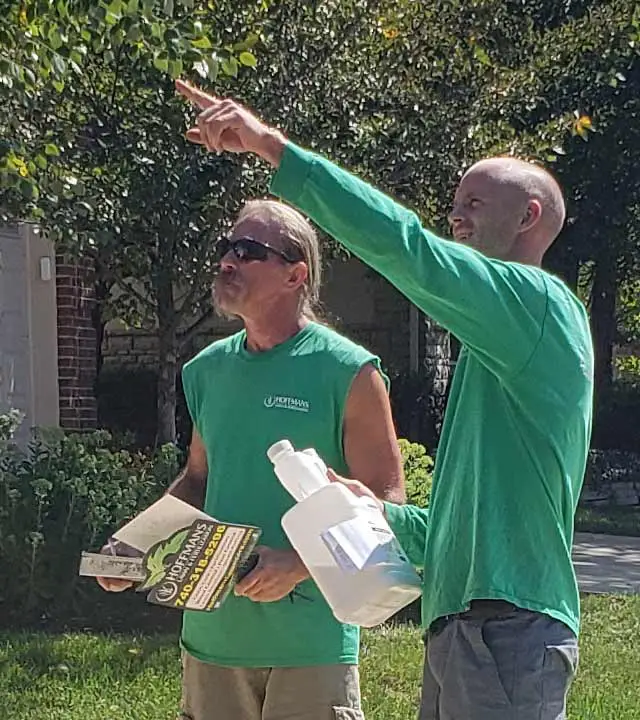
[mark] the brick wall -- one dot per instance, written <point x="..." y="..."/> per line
<point x="76" y="344"/>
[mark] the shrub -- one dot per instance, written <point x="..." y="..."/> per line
<point x="65" y="494"/>
<point x="617" y="418"/>
<point x="68" y="491"/>
<point x="418" y="467"/>
<point x="9" y="423"/>
<point x="127" y="403"/>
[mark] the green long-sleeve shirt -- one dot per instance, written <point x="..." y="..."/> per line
<point x="514" y="442"/>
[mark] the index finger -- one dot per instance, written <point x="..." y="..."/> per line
<point x="198" y="97"/>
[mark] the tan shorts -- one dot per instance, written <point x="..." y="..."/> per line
<point x="320" y="692"/>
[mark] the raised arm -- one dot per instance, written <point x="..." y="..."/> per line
<point x="495" y="308"/>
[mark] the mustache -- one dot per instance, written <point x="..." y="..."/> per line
<point x="221" y="274"/>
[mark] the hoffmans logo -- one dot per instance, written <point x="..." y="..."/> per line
<point x="287" y="403"/>
<point x="171" y="559"/>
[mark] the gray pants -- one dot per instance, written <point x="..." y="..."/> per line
<point x="323" y="692"/>
<point x="497" y="662"/>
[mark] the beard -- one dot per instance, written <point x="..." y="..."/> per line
<point x="225" y="293"/>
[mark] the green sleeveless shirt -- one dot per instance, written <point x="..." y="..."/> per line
<point x="241" y="403"/>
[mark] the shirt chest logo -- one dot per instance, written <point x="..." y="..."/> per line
<point x="284" y="402"/>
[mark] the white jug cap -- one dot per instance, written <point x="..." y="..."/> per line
<point x="282" y="446"/>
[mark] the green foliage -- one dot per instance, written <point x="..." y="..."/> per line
<point x="48" y="47"/>
<point x="113" y="177"/>
<point x="386" y="88"/>
<point x="66" y="494"/>
<point x="628" y="368"/>
<point x="609" y="520"/>
<point x="418" y="468"/>
<point x="9" y="423"/>
<point x="409" y="94"/>
<point x="628" y="307"/>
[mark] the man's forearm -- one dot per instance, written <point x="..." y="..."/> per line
<point x="409" y="523"/>
<point x="272" y="147"/>
<point x="393" y="487"/>
<point x="188" y="488"/>
<point x="395" y="494"/>
<point x="391" y="490"/>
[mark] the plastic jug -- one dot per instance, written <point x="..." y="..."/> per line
<point x="344" y="541"/>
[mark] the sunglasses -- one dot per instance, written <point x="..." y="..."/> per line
<point x="247" y="249"/>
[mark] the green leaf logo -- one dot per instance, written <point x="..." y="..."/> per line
<point x="156" y="560"/>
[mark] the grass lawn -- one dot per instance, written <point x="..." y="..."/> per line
<point x="609" y="520"/>
<point x="98" y="677"/>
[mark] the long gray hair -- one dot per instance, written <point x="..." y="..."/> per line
<point x="296" y="233"/>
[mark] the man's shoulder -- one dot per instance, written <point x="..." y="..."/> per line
<point x="558" y="288"/>
<point x="561" y="302"/>
<point x="522" y="275"/>
<point x="564" y="306"/>
<point x="216" y="349"/>
<point x="332" y="342"/>
<point x="564" y="354"/>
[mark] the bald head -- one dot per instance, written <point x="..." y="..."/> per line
<point x="509" y="209"/>
<point x="532" y="180"/>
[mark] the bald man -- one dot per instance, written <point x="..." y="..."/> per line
<point x="500" y="600"/>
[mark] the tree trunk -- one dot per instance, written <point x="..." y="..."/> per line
<point x="102" y="291"/>
<point x="603" y="321"/>
<point x="437" y="364"/>
<point x="562" y="258"/>
<point x="167" y="360"/>
<point x="167" y="376"/>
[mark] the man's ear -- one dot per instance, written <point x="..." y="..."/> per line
<point x="298" y="275"/>
<point x="532" y="214"/>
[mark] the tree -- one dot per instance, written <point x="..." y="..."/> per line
<point x="129" y="191"/>
<point x="45" y="45"/>
<point x="406" y="94"/>
<point x="388" y="90"/>
<point x="590" y="64"/>
<point x="555" y="84"/>
<point x="125" y="188"/>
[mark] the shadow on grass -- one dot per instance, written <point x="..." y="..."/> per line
<point x="127" y="613"/>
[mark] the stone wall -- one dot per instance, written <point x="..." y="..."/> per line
<point x="358" y="302"/>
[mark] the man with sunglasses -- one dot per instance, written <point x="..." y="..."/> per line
<point x="248" y="249"/>
<point x="500" y="597"/>
<point x="274" y="650"/>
